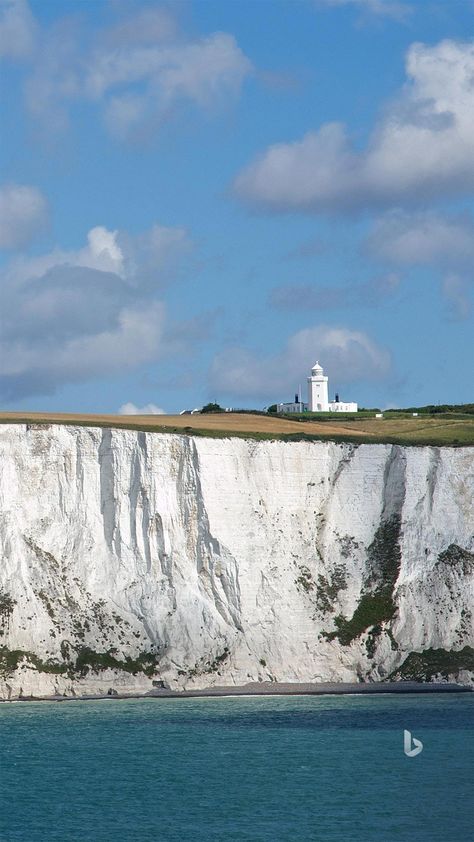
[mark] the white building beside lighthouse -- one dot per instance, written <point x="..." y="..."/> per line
<point x="318" y="399"/>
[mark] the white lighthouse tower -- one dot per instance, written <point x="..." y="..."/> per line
<point x="318" y="400"/>
<point x="318" y="390"/>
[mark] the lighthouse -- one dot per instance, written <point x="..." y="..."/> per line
<point x="318" y="400"/>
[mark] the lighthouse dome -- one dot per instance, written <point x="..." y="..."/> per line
<point x="317" y="369"/>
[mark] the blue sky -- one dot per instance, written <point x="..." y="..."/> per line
<point x="198" y="200"/>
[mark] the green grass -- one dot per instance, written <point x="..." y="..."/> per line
<point x="448" y="429"/>
<point x="441" y="433"/>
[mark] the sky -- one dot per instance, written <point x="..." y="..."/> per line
<point x="198" y="200"/>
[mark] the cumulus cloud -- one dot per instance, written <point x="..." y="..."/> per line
<point x="148" y="409"/>
<point x="49" y="360"/>
<point x="137" y="72"/>
<point x="421" y="148"/>
<point x="423" y="238"/>
<point x="382" y="8"/>
<point x="73" y="315"/>
<point x="23" y="213"/>
<point x="17" y="29"/>
<point x="349" y="356"/>
<point x="324" y="297"/>
<point x="143" y="260"/>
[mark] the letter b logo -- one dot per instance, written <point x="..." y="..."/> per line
<point x="407" y="745"/>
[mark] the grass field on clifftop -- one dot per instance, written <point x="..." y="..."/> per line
<point x="443" y="429"/>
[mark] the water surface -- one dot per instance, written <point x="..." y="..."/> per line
<point x="261" y="769"/>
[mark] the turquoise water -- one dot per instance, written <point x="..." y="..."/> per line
<point x="244" y="769"/>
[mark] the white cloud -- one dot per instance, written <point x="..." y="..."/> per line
<point x="203" y="73"/>
<point x="421" y="148"/>
<point x="144" y="258"/>
<point x="423" y="238"/>
<point x="55" y="79"/>
<point x="155" y="251"/>
<point x="382" y="8"/>
<point x="458" y="294"/>
<point x="148" y="409"/>
<point x="23" y="213"/>
<point x="147" y="26"/>
<point x="198" y="71"/>
<point x="17" y="29"/>
<point x="137" y="72"/>
<point x="134" y="338"/>
<point x="76" y="315"/>
<point x="347" y="355"/>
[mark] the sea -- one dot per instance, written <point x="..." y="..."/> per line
<point x="243" y="769"/>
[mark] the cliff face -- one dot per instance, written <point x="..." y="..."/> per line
<point x="129" y="558"/>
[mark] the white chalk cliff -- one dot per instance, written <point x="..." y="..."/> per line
<point x="129" y="559"/>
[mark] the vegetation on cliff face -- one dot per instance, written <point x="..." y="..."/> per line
<point x="86" y="660"/>
<point x="12" y="659"/>
<point x="305" y="578"/>
<point x="458" y="557"/>
<point x="7" y="604"/>
<point x="376" y="605"/>
<point x="329" y="587"/>
<point x="205" y="667"/>
<point x="80" y="661"/>
<point x="432" y="663"/>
